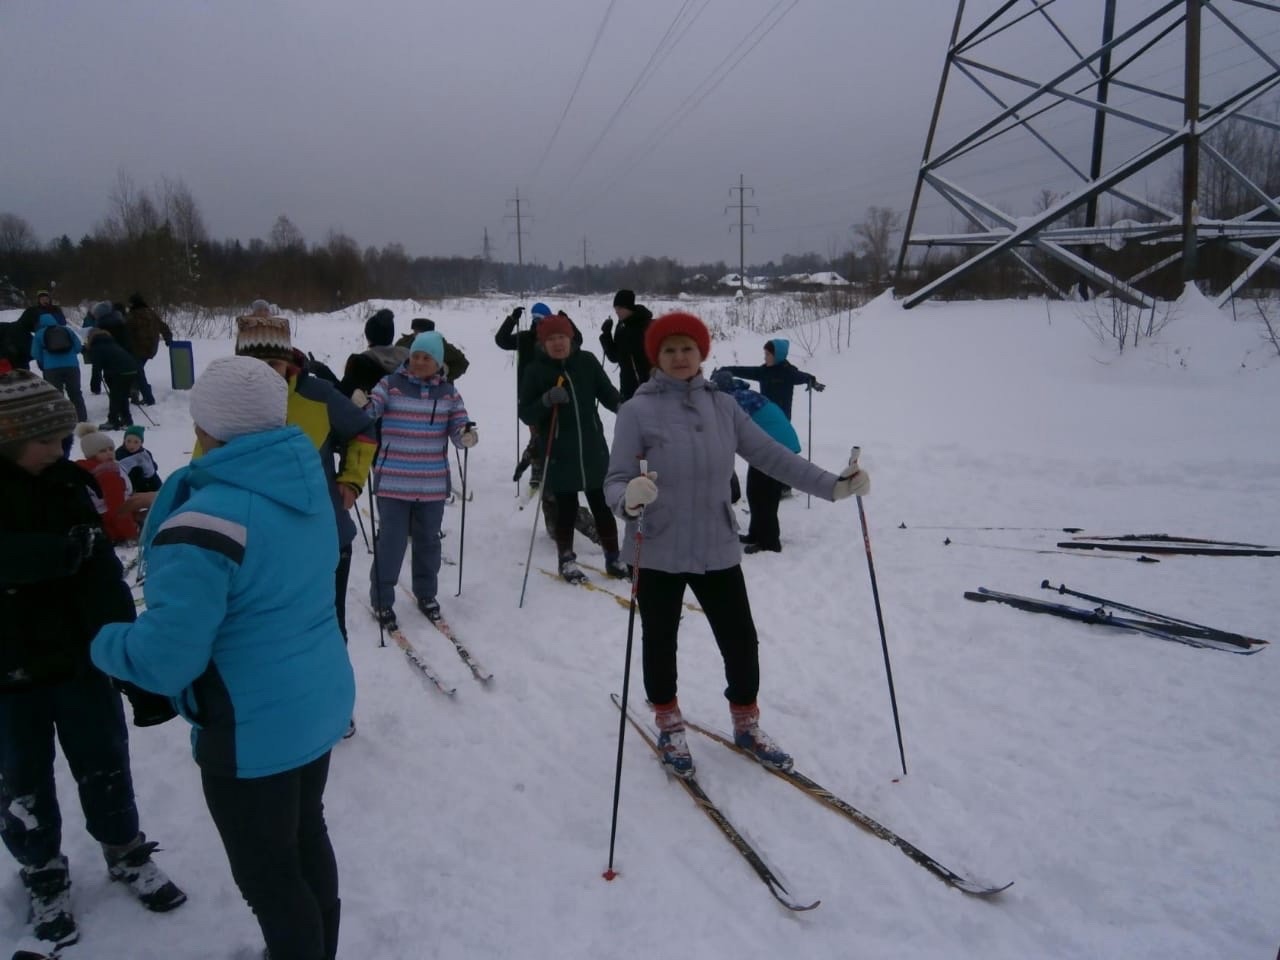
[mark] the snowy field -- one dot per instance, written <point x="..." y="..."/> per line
<point x="1127" y="786"/>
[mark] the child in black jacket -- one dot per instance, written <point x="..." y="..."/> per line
<point x="59" y="582"/>
<point x="119" y="370"/>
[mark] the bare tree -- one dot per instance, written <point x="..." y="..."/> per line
<point x="874" y="237"/>
<point x="133" y="213"/>
<point x="16" y="235"/>
<point x="286" y="236"/>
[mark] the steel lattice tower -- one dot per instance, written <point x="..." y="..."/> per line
<point x="1029" y="93"/>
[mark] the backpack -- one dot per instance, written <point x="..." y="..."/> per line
<point x="58" y="339"/>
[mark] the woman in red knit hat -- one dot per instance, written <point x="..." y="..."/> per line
<point x="689" y="432"/>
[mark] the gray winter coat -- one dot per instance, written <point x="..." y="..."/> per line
<point x="689" y="432"/>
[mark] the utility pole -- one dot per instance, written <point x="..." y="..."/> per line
<point x="517" y="216"/>
<point x="487" y="249"/>
<point x="743" y="207"/>
<point x="585" y="286"/>
<point x="1191" y="146"/>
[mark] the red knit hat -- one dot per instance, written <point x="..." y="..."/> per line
<point x="673" y="325"/>
<point x="550" y="326"/>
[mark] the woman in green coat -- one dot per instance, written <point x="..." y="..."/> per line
<point x="565" y="383"/>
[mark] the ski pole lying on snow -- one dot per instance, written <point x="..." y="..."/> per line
<point x="609" y="872"/>
<point x="1226" y="636"/>
<point x="875" y="595"/>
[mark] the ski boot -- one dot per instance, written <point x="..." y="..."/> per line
<point x="386" y="618"/>
<point x="49" y="888"/>
<point x="570" y="570"/>
<point x="672" y="744"/>
<point x="430" y="609"/>
<point x="614" y="567"/>
<point x="748" y="736"/>
<point x="132" y="865"/>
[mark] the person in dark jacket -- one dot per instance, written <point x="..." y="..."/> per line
<point x="145" y="331"/>
<point x="625" y="344"/>
<point x="567" y="383"/>
<point x="52" y="551"/>
<point x="763" y="492"/>
<point x="525" y="345"/>
<point x="240" y="631"/>
<point x="118" y="368"/>
<point x="363" y="370"/>
<point x="776" y="376"/>
<point x="455" y="361"/>
<point x="15" y="337"/>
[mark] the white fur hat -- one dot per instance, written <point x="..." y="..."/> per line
<point x="237" y="396"/>
<point x="92" y="440"/>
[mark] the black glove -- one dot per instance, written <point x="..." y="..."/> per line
<point x="149" y="709"/>
<point x="516" y="314"/>
<point x="608" y="325"/>
<point x="818" y="386"/>
<point x="554" y="396"/>
<point x="82" y="540"/>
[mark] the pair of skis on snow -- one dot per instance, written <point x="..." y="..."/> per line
<point x="818" y="793"/>
<point x="420" y="663"/>
<point x="1161" y="626"/>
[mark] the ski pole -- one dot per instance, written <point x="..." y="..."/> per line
<point x="142" y="410"/>
<point x="1225" y="636"/>
<point x="363" y="533"/>
<point x="462" y="536"/>
<point x="546" y="462"/>
<point x="609" y="872"/>
<point x="875" y="595"/>
<point x="377" y="579"/>
<point x="517" y="366"/>
<point x="808" y="498"/>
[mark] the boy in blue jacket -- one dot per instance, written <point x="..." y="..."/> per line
<point x="57" y="354"/>
<point x="763" y="491"/>
<point x="777" y="377"/>
<point x="240" y="631"/>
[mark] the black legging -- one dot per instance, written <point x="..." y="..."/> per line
<point x="276" y="840"/>
<point x="723" y="596"/>
<point x="567" y="513"/>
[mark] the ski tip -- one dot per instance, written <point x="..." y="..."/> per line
<point x="799" y="907"/>
<point x="978" y="889"/>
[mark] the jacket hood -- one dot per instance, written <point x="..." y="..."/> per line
<point x="280" y="465"/>
<point x="780" y="348"/>
<point x="390" y="358"/>
<point x="46" y="320"/>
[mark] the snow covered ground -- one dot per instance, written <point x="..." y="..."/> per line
<point x="1127" y="786"/>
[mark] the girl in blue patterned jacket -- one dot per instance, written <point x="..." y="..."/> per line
<point x="419" y="413"/>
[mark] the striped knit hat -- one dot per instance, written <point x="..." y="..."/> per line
<point x="264" y="338"/>
<point x="31" y="409"/>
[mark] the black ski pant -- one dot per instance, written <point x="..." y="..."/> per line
<point x="567" y="514"/>
<point x="763" y="496"/>
<point x="276" y="840"/>
<point x="141" y="385"/>
<point x="340" y="577"/>
<point x="118" y="387"/>
<point x="723" y="597"/>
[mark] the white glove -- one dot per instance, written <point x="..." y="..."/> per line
<point x="470" y="437"/>
<point x="857" y="484"/>
<point x="359" y="398"/>
<point x="853" y="481"/>
<point x="641" y="490"/>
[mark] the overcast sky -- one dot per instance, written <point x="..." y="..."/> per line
<point x="415" y="122"/>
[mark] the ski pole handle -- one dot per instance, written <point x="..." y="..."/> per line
<point x="854" y="454"/>
<point x="644" y="467"/>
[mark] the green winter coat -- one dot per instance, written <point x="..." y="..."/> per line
<point x="579" y="453"/>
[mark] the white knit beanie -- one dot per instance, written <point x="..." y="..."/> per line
<point x="92" y="440"/>
<point x="236" y="396"/>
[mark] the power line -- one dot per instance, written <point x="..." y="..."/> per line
<point x="646" y="74"/>
<point x="577" y="83"/>
<point x="686" y="108"/>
